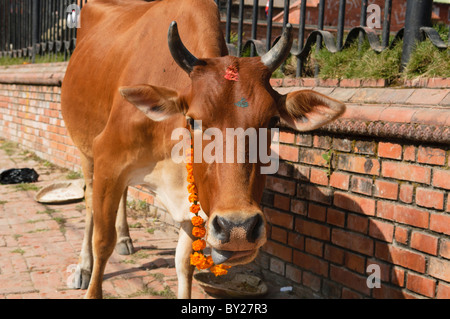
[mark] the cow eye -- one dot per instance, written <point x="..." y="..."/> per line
<point x="274" y="121"/>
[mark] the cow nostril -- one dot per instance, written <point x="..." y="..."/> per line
<point x="254" y="227"/>
<point x="221" y="228"/>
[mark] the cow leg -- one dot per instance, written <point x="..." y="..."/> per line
<point x="182" y="260"/>
<point x="124" y="244"/>
<point x="83" y="271"/>
<point x="107" y="194"/>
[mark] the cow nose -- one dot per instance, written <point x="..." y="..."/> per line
<point x="224" y="228"/>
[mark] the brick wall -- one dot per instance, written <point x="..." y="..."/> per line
<point x="382" y="198"/>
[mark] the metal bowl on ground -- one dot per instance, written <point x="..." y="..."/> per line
<point x="61" y="192"/>
<point x="232" y="285"/>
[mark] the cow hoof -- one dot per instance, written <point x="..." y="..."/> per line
<point x="124" y="246"/>
<point x="80" y="279"/>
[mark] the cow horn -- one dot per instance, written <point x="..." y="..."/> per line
<point x="180" y="54"/>
<point x="280" y="51"/>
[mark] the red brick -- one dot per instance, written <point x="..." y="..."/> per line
<point x="363" y="147"/>
<point x="312" y="229"/>
<point x="421" y="285"/>
<point x="407" y="172"/>
<point x="280" y="185"/>
<point x="406" y="193"/>
<point x="314" y="264"/>
<point x="313" y="157"/>
<point x="322" y="142"/>
<point x="317" y="212"/>
<point x="352" y="241"/>
<point x="278" y="218"/>
<point x="444" y="249"/>
<point x="319" y="176"/>
<point x="350" y="294"/>
<point x="388" y="190"/>
<point x="362" y="185"/>
<point x="403" y="214"/>
<point x="358" y="164"/>
<point x="282" y="202"/>
<point x="439" y="268"/>
<point x="278" y="234"/>
<point x="293" y="273"/>
<point x="357" y="223"/>
<point x="349" y="279"/>
<point x="355" y="203"/>
<point x="287" y="137"/>
<point x="298" y="207"/>
<point x="409" y="153"/>
<point x="387" y="292"/>
<point x="314" y="247"/>
<point x="315" y="193"/>
<point x="304" y="139"/>
<point x="334" y="254"/>
<point x="340" y="180"/>
<point x="277" y="266"/>
<point x="278" y="250"/>
<point x="398" y="276"/>
<point x="355" y="262"/>
<point x="429" y="198"/>
<point x="381" y="230"/>
<point x="441" y="178"/>
<point x="311" y="281"/>
<point x="429" y="155"/>
<point x="443" y="291"/>
<point x="440" y="223"/>
<point x="288" y="153"/>
<point x="400" y="256"/>
<point x="343" y="145"/>
<point x="390" y="150"/>
<point x="424" y="242"/>
<point x="335" y="217"/>
<point x="296" y="240"/>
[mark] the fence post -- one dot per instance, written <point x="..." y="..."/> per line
<point x="35" y="27"/>
<point x="418" y="14"/>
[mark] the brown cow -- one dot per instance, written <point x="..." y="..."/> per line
<point x="123" y="95"/>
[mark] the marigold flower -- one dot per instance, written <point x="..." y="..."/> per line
<point x="199" y="244"/>
<point x="199" y="231"/>
<point x="193" y="198"/>
<point x="220" y="270"/>
<point x="190" y="178"/>
<point x="194" y="209"/>
<point x="197" y="259"/>
<point x="197" y="221"/>
<point x="192" y="189"/>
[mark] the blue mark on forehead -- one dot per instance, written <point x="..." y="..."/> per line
<point x="242" y="103"/>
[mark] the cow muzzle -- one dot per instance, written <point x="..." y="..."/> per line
<point x="236" y="237"/>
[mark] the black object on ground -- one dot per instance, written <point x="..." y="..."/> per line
<point x="18" y="175"/>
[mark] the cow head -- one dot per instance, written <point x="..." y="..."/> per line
<point x="230" y="193"/>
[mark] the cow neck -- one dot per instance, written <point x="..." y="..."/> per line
<point x="198" y="259"/>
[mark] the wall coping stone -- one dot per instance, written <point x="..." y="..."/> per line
<point x="410" y="112"/>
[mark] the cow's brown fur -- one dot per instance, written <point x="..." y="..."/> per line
<point x="122" y="54"/>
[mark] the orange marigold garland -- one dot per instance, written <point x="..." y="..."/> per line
<point x="198" y="259"/>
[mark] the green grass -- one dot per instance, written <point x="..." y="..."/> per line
<point x="26" y="187"/>
<point x="18" y="251"/>
<point x="5" y="61"/>
<point x="362" y="62"/>
<point x="74" y="175"/>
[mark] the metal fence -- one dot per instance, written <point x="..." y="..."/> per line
<point x="29" y="28"/>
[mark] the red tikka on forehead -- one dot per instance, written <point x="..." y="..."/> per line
<point x="231" y="73"/>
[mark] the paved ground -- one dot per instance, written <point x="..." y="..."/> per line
<point x="39" y="243"/>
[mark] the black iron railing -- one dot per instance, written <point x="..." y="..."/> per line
<point x="31" y="28"/>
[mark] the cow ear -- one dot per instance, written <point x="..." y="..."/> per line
<point x="307" y="110"/>
<point x="156" y="102"/>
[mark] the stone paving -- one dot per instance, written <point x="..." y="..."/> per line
<point x="39" y="243"/>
